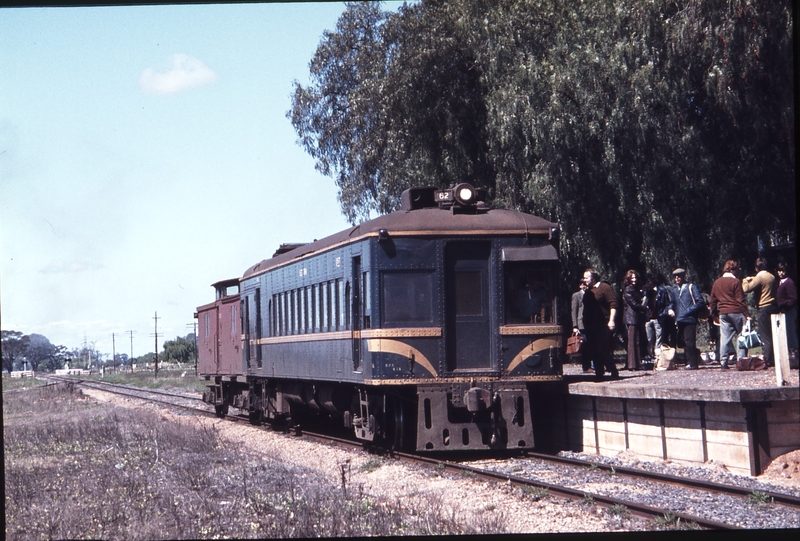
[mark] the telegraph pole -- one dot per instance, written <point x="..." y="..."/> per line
<point x="156" y="318"/>
<point x="131" y="359"/>
<point x="194" y="327"/>
<point x="113" y="352"/>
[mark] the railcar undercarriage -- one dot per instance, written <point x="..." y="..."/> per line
<point x="434" y="417"/>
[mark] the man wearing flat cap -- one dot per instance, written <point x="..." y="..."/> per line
<point x="687" y="300"/>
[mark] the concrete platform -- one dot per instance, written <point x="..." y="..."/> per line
<point x="741" y="419"/>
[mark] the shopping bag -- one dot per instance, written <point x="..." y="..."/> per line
<point x="665" y="356"/>
<point x="749" y="338"/>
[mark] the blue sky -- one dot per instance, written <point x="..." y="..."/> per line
<point x="145" y="153"/>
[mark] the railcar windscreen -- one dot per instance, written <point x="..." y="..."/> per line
<point x="407" y="298"/>
<point x="530" y="292"/>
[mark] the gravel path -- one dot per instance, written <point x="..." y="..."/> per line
<point x="709" y="375"/>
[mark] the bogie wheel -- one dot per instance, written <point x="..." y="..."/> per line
<point x="256" y="416"/>
<point x="397" y="433"/>
<point x="221" y="410"/>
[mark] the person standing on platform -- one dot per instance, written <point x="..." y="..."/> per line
<point x="652" y="328"/>
<point x="577" y="321"/>
<point x="763" y="285"/>
<point x="787" y="303"/>
<point x="687" y="300"/>
<point x="634" y="314"/>
<point x="599" y="311"/>
<point x="728" y="306"/>
<point x="664" y="303"/>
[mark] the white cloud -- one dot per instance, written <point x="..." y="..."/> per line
<point x="61" y="266"/>
<point x="186" y="72"/>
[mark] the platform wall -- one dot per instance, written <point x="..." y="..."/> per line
<point x="744" y="437"/>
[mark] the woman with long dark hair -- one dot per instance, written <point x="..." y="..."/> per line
<point x="634" y="314"/>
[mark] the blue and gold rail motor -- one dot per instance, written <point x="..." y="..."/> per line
<point x="428" y="328"/>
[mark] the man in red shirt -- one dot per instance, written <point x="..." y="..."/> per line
<point x="729" y="308"/>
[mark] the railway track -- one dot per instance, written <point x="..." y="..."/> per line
<point x="687" y="482"/>
<point x="179" y="400"/>
<point x="523" y="473"/>
<point x="707" y="504"/>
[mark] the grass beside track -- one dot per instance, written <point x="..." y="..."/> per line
<point x="167" y="380"/>
<point x="16" y="384"/>
<point x="77" y="469"/>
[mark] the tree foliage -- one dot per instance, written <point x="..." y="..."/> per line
<point x="181" y="350"/>
<point x="13" y="348"/>
<point x="657" y="133"/>
<point x="35" y="349"/>
<point x="86" y="356"/>
<point x="40" y="353"/>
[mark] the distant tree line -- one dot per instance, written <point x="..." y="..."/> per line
<point x="657" y="133"/>
<point x="35" y="352"/>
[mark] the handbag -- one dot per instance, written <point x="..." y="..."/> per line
<point x="748" y="339"/>
<point x="576" y="344"/>
<point x="750" y="364"/>
<point x="664" y="357"/>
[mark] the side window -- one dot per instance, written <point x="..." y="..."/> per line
<point x="281" y="315"/>
<point x="292" y="313"/>
<point x="300" y="312"/>
<point x="259" y="324"/>
<point x="271" y="316"/>
<point x="347" y="306"/>
<point x="338" y="308"/>
<point x="323" y="320"/>
<point x="328" y="306"/>
<point x="407" y="298"/>
<point x="258" y="313"/>
<point x="306" y="310"/>
<point x="285" y="302"/>
<point x="246" y="327"/>
<point x="314" y="303"/>
<point x="366" y="300"/>
<point x="273" y="311"/>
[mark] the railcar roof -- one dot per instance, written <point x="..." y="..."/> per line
<point x="419" y="222"/>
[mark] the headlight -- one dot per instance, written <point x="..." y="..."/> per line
<point x="465" y="194"/>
